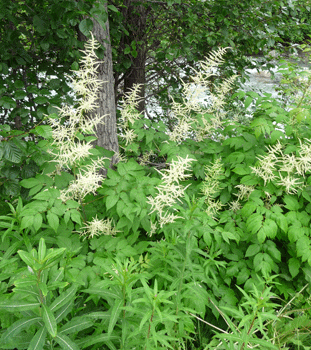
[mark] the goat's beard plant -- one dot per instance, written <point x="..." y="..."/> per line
<point x="72" y="147"/>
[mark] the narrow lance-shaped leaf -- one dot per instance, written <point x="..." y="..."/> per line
<point x="49" y="320"/>
<point x="76" y="325"/>
<point x="14" y="306"/>
<point x="27" y="258"/>
<point x="17" y="327"/>
<point x="66" y="343"/>
<point x="38" y="341"/>
<point x="41" y="250"/>
<point x="115" y="312"/>
<point x="64" y="298"/>
<point x="52" y="257"/>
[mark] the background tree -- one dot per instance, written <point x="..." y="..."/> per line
<point x="156" y="42"/>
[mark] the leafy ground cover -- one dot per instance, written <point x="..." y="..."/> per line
<point x="199" y="238"/>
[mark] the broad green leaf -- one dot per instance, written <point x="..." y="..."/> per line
<point x="86" y="26"/>
<point x="63" y="311"/>
<point x="111" y="201"/>
<point x="29" y="183"/>
<point x="26" y="222"/>
<point x="66" y="343"/>
<point x="37" y="221"/>
<point x="294" y="266"/>
<point x="291" y="202"/>
<point x="254" y="222"/>
<point x="75" y="216"/>
<point x="7" y="102"/>
<point x="243" y="275"/>
<point x="18" y="326"/>
<point x="64" y="298"/>
<point x="41" y="100"/>
<point x="53" y="220"/>
<point x="11" y="152"/>
<point x="102" y="338"/>
<point x="38" y="341"/>
<point x="44" y="131"/>
<point x="252" y="250"/>
<point x="49" y="320"/>
<point x="248" y="101"/>
<point x="113" y="8"/>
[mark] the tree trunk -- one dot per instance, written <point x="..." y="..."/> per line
<point x="106" y="133"/>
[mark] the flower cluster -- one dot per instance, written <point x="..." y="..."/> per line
<point x="98" y="227"/>
<point x="170" y="190"/>
<point x="288" y="170"/>
<point x="194" y="118"/>
<point x="243" y="194"/>
<point x="211" y="186"/>
<point x="129" y="114"/>
<point x="69" y="148"/>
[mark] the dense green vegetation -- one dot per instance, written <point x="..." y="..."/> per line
<point x="198" y="238"/>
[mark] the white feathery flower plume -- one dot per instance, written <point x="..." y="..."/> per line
<point x="98" y="227"/>
<point x="68" y="150"/>
<point x="129" y="114"/>
<point x="285" y="167"/>
<point x="170" y="190"/>
<point x="211" y="185"/>
<point x="211" y="114"/>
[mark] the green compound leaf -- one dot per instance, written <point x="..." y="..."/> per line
<point x="53" y="220"/>
<point x="294" y="266"/>
<point x="86" y="25"/>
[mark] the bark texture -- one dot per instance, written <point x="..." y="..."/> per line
<point x="106" y="133"/>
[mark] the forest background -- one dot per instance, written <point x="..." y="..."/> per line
<point x="124" y="226"/>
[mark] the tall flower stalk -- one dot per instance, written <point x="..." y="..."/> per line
<point x="72" y="144"/>
<point x="72" y="148"/>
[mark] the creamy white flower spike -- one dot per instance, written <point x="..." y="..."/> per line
<point x="288" y="170"/>
<point x="170" y="190"/>
<point x="211" y="112"/>
<point x="69" y="151"/>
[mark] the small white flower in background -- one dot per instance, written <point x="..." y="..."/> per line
<point x="153" y="229"/>
<point x="235" y="206"/>
<point x="129" y="114"/>
<point x="211" y="185"/>
<point x="213" y="207"/>
<point x="266" y="168"/>
<point x="129" y="136"/>
<point x="145" y="158"/>
<point x="244" y="191"/>
<point x="304" y="159"/>
<point x="98" y="227"/>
